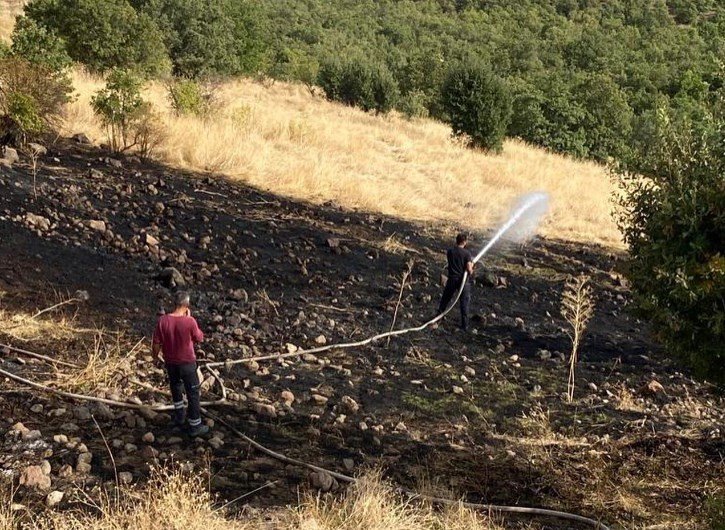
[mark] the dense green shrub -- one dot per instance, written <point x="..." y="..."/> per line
<point x="210" y="37"/>
<point x="39" y="45"/>
<point x="31" y="99"/>
<point x="121" y="109"/>
<point x="478" y="105"/>
<point x="358" y="82"/>
<point x="104" y="34"/>
<point x="673" y="220"/>
<point x="413" y="105"/>
<point x="186" y="97"/>
<point x="567" y="53"/>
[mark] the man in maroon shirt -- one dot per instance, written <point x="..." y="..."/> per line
<point x="174" y="336"/>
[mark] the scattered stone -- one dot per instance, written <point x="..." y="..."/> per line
<point x="321" y="340"/>
<point x="287" y="397"/>
<point x="148" y="438"/>
<point x="124" y="477"/>
<point x="9" y="155"/>
<point x="264" y="410"/>
<point x="37" y="408"/>
<point x="97" y="225"/>
<point x="150" y="240"/>
<point x="33" y="477"/>
<point x="37" y="221"/>
<point x="45" y="466"/>
<point x="37" y="149"/>
<point x="82" y="413"/>
<point x="652" y="389"/>
<point x="318" y="399"/>
<point x="350" y="404"/>
<point x="240" y="295"/>
<point x="457" y="390"/>
<point x="81" y="138"/>
<point x="83" y="463"/>
<point x="54" y="498"/>
<point x="291" y="348"/>
<point x="60" y="439"/>
<point x="171" y="278"/>
<point x="216" y="442"/>
<point x="322" y="481"/>
<point x="349" y="464"/>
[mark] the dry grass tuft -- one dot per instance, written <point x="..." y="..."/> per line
<point x="577" y="307"/>
<point x="9" y="9"/>
<point x="283" y="139"/>
<point x="49" y="323"/>
<point x="106" y="365"/>
<point x="181" y="501"/>
<point x="372" y="504"/>
<point x="174" y="498"/>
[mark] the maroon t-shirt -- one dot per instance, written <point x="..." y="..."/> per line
<point x="177" y="336"/>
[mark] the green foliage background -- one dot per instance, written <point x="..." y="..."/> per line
<point x="673" y="219"/>
<point x="584" y="74"/>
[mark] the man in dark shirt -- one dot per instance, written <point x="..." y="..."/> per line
<point x="174" y="337"/>
<point x="460" y="261"/>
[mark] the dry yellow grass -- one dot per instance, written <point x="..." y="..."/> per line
<point x="283" y="139"/>
<point x="8" y="10"/>
<point x="181" y="502"/>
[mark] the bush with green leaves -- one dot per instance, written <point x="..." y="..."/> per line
<point x="104" y="34"/>
<point x="210" y="37"/>
<point x="39" y="45"/>
<point x="122" y="110"/>
<point x="186" y="97"/>
<point x="672" y="215"/>
<point x="413" y="105"/>
<point x="32" y="98"/>
<point x="360" y="83"/>
<point x="478" y="105"/>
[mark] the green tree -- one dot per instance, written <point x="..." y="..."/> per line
<point x="39" y="45"/>
<point x="478" y="104"/>
<point x="673" y="220"/>
<point x="210" y="37"/>
<point x="32" y="98"/>
<point x="104" y="34"/>
<point x="121" y="108"/>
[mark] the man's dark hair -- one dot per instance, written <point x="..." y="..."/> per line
<point x="182" y="298"/>
<point x="461" y="238"/>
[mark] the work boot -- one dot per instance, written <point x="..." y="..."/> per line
<point x="177" y="418"/>
<point x="199" y="430"/>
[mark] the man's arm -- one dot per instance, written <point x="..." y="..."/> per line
<point x="469" y="263"/>
<point x="196" y="333"/>
<point x="156" y="344"/>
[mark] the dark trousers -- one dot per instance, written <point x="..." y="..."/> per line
<point x="450" y="290"/>
<point x="183" y="378"/>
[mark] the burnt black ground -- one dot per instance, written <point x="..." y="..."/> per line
<point x="301" y="267"/>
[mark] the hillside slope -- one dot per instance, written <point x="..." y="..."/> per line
<point x="284" y="139"/>
<point x="479" y="415"/>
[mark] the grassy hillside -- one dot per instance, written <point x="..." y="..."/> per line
<point x="284" y="139"/>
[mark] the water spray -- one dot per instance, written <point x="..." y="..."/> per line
<point x="519" y="227"/>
